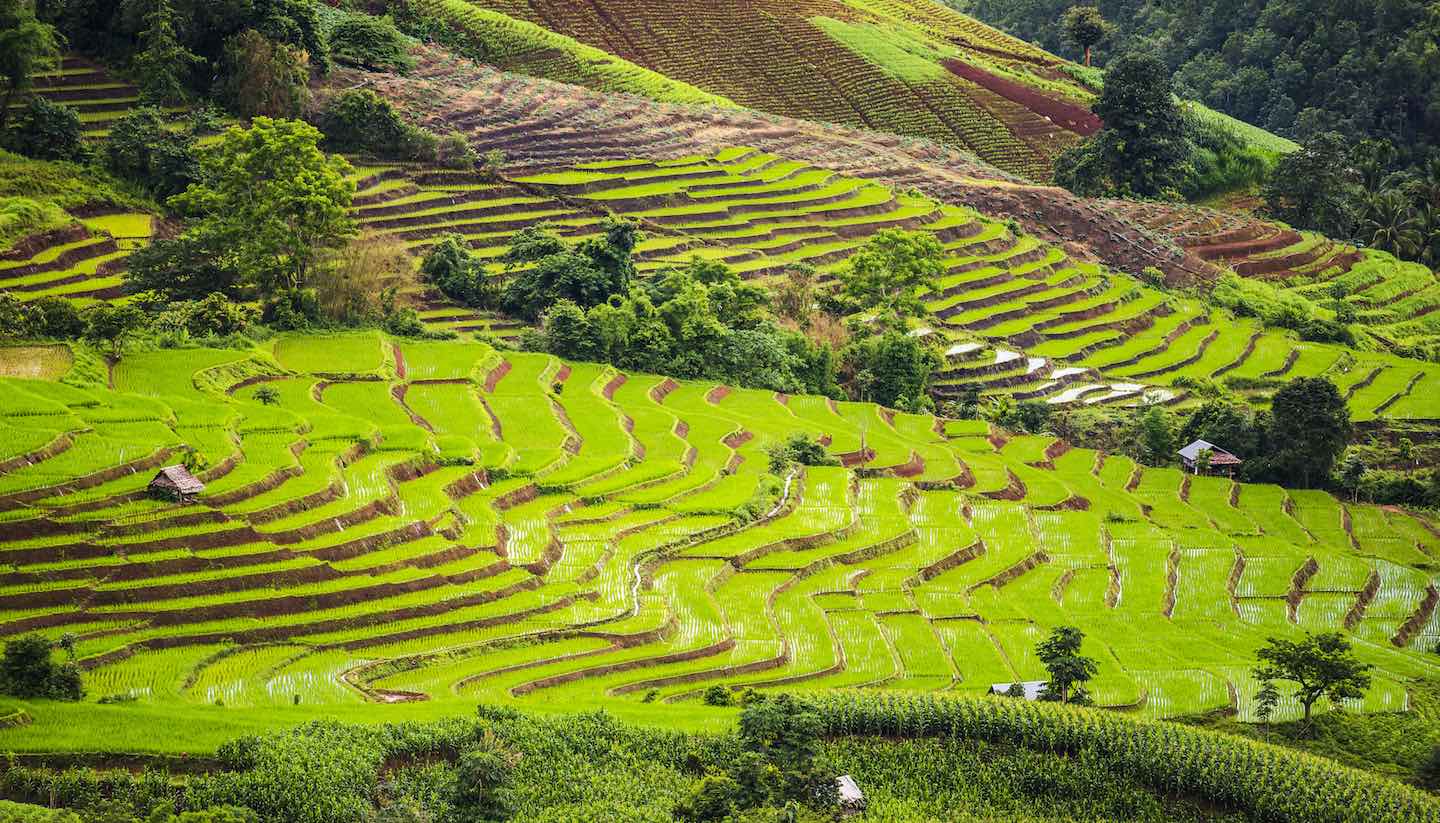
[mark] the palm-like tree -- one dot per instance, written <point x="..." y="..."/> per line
<point x="1390" y="223"/>
<point x="1430" y="234"/>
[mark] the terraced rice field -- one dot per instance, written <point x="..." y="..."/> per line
<point x="434" y="521"/>
<point x="917" y="69"/>
<point x="1398" y="301"/>
<point x="1014" y="315"/>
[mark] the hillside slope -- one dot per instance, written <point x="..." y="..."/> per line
<point x="443" y="520"/>
<point x="911" y="67"/>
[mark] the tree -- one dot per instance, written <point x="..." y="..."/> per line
<point x="273" y="201"/>
<point x="113" y="326"/>
<point x="369" y="42"/>
<point x="1144" y="140"/>
<point x="267" y="395"/>
<point x="1390" y="223"/>
<point x="1266" y="699"/>
<point x="1313" y="188"/>
<point x="1152" y="439"/>
<point x="144" y="149"/>
<point x="1321" y="665"/>
<point x="588" y="274"/>
<point x="782" y="735"/>
<point x="265" y="78"/>
<point x="46" y="131"/>
<point x="28" y="670"/>
<point x="891" y="270"/>
<point x="1085" y="27"/>
<point x="793" y="298"/>
<point x="1310" y="422"/>
<point x="481" y="777"/>
<point x="361" y="120"/>
<point x="26" y="46"/>
<point x="1351" y="475"/>
<point x="164" y="65"/>
<point x="1069" y="670"/>
<point x="567" y="332"/>
<point x="892" y="369"/>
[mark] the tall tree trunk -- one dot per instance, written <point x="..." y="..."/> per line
<point x="1087" y="57"/>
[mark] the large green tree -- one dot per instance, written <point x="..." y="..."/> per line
<point x="1085" y="27"/>
<point x="1069" y="669"/>
<point x="1321" y="665"/>
<point x="1310" y="425"/>
<point x="273" y="202"/>
<point x="26" y="46"/>
<point x="892" y="271"/>
<point x="1143" y="150"/>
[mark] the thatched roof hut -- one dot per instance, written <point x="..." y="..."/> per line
<point x="176" y="483"/>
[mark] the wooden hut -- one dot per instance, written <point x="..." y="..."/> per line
<point x="1220" y="461"/>
<point x="176" y="483"/>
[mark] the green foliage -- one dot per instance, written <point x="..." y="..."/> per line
<point x="165" y="66"/>
<point x="49" y="317"/>
<point x="481" y="776"/>
<point x="263" y="77"/>
<point x="27" y="670"/>
<point x="24" y="813"/>
<point x="891" y="369"/>
<point x="46" y="131"/>
<point x="21" y="217"/>
<point x="452" y="268"/>
<point x="1143" y="151"/>
<point x="587" y="274"/>
<point x="188" y="267"/>
<point x="889" y="274"/>
<point x="718" y="695"/>
<point x="1085" y="27"/>
<point x="272" y="201"/>
<point x="113" y="326"/>
<point x="369" y="42"/>
<point x="26" y="46"/>
<point x="1069" y="670"/>
<point x="1152" y="436"/>
<point x="359" y="120"/>
<point x="214" y="316"/>
<point x="1281" y="309"/>
<point x="1315" y="187"/>
<point x="800" y="449"/>
<point x="1312" y="422"/>
<point x="1319" y="666"/>
<point x="147" y="150"/>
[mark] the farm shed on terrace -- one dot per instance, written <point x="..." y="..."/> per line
<point x="176" y="483"/>
<point x="1033" y="689"/>
<point x="1220" y="460"/>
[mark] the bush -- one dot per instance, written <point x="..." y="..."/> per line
<point x="351" y="282"/>
<point x="215" y="316"/>
<point x="144" y="149"/>
<point x="801" y="449"/>
<point x="46" y="131"/>
<point x="371" y="43"/>
<point x="262" y="77"/>
<point x="451" y="267"/>
<point x="359" y="120"/>
<point x="718" y="695"/>
<point x="455" y="152"/>
<point x="27" y="670"/>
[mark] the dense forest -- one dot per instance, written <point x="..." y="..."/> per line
<point x="1297" y="68"/>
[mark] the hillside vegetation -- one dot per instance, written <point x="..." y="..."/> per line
<point x="397" y="520"/>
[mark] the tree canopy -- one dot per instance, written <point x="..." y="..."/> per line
<point x="1321" y="665"/>
<point x="271" y="201"/>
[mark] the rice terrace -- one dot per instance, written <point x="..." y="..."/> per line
<point x="435" y="411"/>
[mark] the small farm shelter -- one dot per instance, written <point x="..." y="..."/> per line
<point x="851" y="798"/>
<point x="1034" y="689"/>
<point x="1220" y="460"/>
<point x="176" y="483"/>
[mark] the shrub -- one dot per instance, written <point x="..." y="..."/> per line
<point x="215" y="316"/>
<point x="143" y="148"/>
<point x="370" y="43"/>
<point x="46" y="131"/>
<point x="801" y="449"/>
<point x="263" y="77"/>
<point x="455" y="152"/>
<point x="27" y="670"/>
<point x="360" y="120"/>
<point x="351" y="281"/>
<point x="718" y="695"/>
